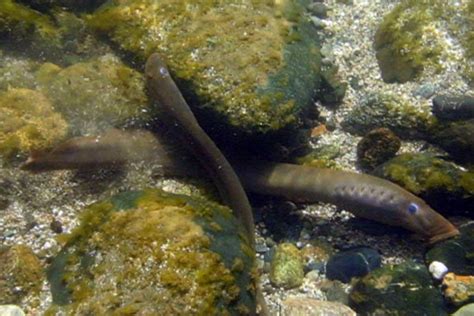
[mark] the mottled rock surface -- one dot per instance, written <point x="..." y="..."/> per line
<point x="151" y="252"/>
<point x="287" y="266"/>
<point x="297" y="306"/>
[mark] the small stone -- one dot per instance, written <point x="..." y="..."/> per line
<point x="425" y="91"/>
<point x="351" y="263"/>
<point x="438" y="270"/>
<point x="11" y="310"/>
<point x="453" y="107"/>
<point x="302" y="306"/>
<point x="287" y="267"/>
<point x="318" y="9"/>
<point x="335" y="291"/>
<point x="377" y="147"/>
<point x="56" y="226"/>
<point x="466" y="310"/>
<point x="458" y="289"/>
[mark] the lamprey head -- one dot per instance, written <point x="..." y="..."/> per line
<point x="421" y="218"/>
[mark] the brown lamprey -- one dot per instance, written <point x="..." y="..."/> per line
<point x="363" y="195"/>
<point x="165" y="94"/>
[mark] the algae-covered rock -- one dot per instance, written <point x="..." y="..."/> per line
<point x="21" y="274"/>
<point x="442" y="184"/>
<point x="28" y="122"/>
<point x="404" y="289"/>
<point x="96" y="95"/>
<point x="390" y="111"/>
<point x="456" y="254"/>
<point x="332" y="89"/>
<point x="249" y="65"/>
<point x="287" y="266"/>
<point x="58" y="35"/>
<point x="155" y="253"/>
<point x="378" y="146"/>
<point x="457" y="138"/>
<point x="411" y="37"/>
<point x="17" y="72"/>
<point x="76" y="5"/>
<point x="20" y="23"/>
<point x="458" y="289"/>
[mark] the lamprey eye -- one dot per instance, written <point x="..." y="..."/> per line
<point x="412" y="208"/>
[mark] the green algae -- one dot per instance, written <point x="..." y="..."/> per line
<point x="154" y="252"/>
<point x="407" y="40"/>
<point x="440" y="183"/>
<point x="405" y="289"/>
<point x="21" y="274"/>
<point x="392" y="112"/>
<point x="287" y="266"/>
<point x="28" y="123"/>
<point x="250" y="64"/>
<point x="97" y="94"/>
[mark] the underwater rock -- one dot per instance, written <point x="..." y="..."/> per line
<point x="404" y="289"/>
<point x="392" y="112"/>
<point x="453" y="107"/>
<point x="76" y="5"/>
<point x="456" y="254"/>
<point x="458" y="289"/>
<point x="332" y="90"/>
<point x="151" y="252"/>
<point x="249" y="66"/>
<point x="457" y="138"/>
<point x="28" y="123"/>
<point x="59" y="35"/>
<point x="11" y="310"/>
<point x="356" y="262"/>
<point x="409" y="38"/>
<point x="287" y="267"/>
<point x="378" y="146"/>
<point x="16" y="72"/>
<point x="96" y="95"/>
<point x="466" y="310"/>
<point x="302" y="306"/>
<point x="21" y="274"/>
<point x="442" y="184"/>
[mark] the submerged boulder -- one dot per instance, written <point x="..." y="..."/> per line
<point x="151" y="252"/>
<point x="404" y="289"/>
<point x="445" y="186"/>
<point x="252" y="66"/>
<point x="28" y="122"/>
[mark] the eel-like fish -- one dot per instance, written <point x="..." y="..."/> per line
<point x="363" y="195"/>
<point x="163" y="90"/>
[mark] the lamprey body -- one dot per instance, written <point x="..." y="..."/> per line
<point x="363" y="195"/>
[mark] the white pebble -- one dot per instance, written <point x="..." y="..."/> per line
<point x="11" y="310"/>
<point x="438" y="269"/>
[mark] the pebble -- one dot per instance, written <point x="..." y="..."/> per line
<point x="438" y="270"/>
<point x="287" y="267"/>
<point x="453" y="107"/>
<point x="11" y="310"/>
<point x="458" y="289"/>
<point x="356" y="262"/>
<point x="466" y="310"/>
<point x="303" y="306"/>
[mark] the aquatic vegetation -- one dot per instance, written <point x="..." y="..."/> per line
<point x="408" y="40"/>
<point x="439" y="182"/>
<point x="28" y="122"/>
<point x="96" y="95"/>
<point x="156" y="252"/>
<point x="21" y="274"/>
<point x="397" y="289"/>
<point x="392" y="112"/>
<point x="254" y="70"/>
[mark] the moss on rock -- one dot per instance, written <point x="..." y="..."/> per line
<point x="250" y="65"/>
<point x="151" y="252"/>
<point x="392" y="112"/>
<point x="21" y="274"/>
<point x="28" y="123"/>
<point x="404" y="289"/>
<point x="442" y="184"/>
<point x="287" y="266"/>
<point x="96" y="95"/>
